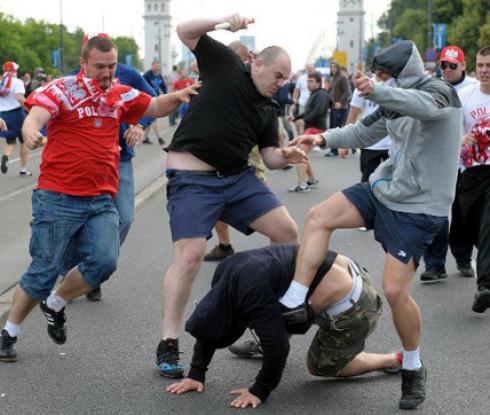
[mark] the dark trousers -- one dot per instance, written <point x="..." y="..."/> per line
<point x="337" y="119"/>
<point x="455" y="237"/>
<point x="474" y="199"/>
<point x="370" y="160"/>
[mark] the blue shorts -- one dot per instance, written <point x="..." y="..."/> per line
<point x="196" y="202"/>
<point x="91" y="223"/>
<point x="14" y="119"/>
<point x="403" y="235"/>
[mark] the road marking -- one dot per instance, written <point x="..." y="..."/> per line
<point x="17" y="192"/>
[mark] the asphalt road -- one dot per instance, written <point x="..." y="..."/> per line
<point x="107" y="364"/>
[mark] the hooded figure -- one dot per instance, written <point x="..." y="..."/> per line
<point x="423" y="117"/>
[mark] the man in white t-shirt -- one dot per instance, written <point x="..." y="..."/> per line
<point x="12" y="98"/>
<point x="453" y="69"/>
<point x="301" y="94"/>
<point x="473" y="192"/>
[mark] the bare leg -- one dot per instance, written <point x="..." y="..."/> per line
<point x="301" y="169"/>
<point x="397" y="286"/>
<point x="369" y="362"/>
<point x="24" y="155"/>
<point x="22" y="305"/>
<point x="310" y="174"/>
<point x="177" y="284"/>
<point x="334" y="213"/>
<point x="9" y="149"/>
<point x="278" y="225"/>
<point x="223" y="231"/>
<point x="73" y="286"/>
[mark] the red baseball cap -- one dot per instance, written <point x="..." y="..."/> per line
<point x="10" y="66"/>
<point x="452" y="54"/>
<point x="89" y="36"/>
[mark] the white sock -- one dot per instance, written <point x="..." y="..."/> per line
<point x="12" y="328"/>
<point x="303" y="185"/>
<point x="55" y="302"/>
<point x="295" y="295"/>
<point x="411" y="360"/>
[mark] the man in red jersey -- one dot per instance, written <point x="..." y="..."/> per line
<point x="73" y="200"/>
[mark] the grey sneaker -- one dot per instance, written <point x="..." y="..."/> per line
<point x="435" y="274"/>
<point x="413" y="388"/>
<point x="298" y="189"/>
<point x="312" y="183"/>
<point x="249" y="348"/>
<point x="7" y="351"/>
<point x="466" y="271"/>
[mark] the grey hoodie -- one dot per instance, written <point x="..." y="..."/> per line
<point x="424" y="119"/>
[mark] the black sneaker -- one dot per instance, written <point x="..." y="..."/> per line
<point x="7" y="351"/>
<point x="161" y="141"/>
<point x="298" y="319"/>
<point x="94" y="295"/>
<point x="168" y="359"/>
<point x="247" y="349"/>
<point x="466" y="271"/>
<point x="482" y="300"/>
<point x="5" y="164"/>
<point x="56" y="323"/>
<point x="147" y="141"/>
<point x="25" y="173"/>
<point x="434" y="274"/>
<point x="312" y="183"/>
<point x="413" y="388"/>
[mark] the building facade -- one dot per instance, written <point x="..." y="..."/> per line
<point x="350" y="33"/>
<point x="158" y="29"/>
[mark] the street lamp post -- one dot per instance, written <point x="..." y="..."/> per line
<point x="430" y="38"/>
<point x="62" y="54"/>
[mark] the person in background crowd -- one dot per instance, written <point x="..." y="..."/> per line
<point x="453" y="68"/>
<point x="156" y="81"/>
<point x="12" y="96"/>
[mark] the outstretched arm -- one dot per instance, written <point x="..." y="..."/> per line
<point x="164" y="105"/>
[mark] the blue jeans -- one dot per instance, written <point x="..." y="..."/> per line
<point x="91" y="223"/>
<point x="124" y="202"/>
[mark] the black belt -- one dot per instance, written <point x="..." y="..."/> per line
<point x="210" y="173"/>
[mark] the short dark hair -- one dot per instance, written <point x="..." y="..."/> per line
<point x="98" y="42"/>
<point x="485" y="51"/>
<point x="317" y="76"/>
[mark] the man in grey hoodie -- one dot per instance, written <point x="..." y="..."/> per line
<point x="407" y="198"/>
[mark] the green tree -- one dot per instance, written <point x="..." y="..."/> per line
<point x="471" y="29"/>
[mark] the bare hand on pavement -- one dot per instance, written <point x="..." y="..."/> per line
<point x="186" y="385"/>
<point x="244" y="399"/>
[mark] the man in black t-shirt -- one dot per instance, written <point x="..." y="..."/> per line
<point x="209" y="177"/>
<point x="245" y="292"/>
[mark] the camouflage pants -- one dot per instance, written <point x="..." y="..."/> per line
<point x="341" y="338"/>
<point x="255" y="159"/>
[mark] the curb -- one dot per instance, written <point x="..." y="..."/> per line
<point x="142" y="196"/>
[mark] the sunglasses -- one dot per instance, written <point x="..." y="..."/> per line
<point x="452" y="66"/>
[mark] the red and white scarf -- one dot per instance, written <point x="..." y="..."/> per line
<point x="6" y="82"/>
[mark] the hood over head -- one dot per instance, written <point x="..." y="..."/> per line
<point x="403" y="62"/>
